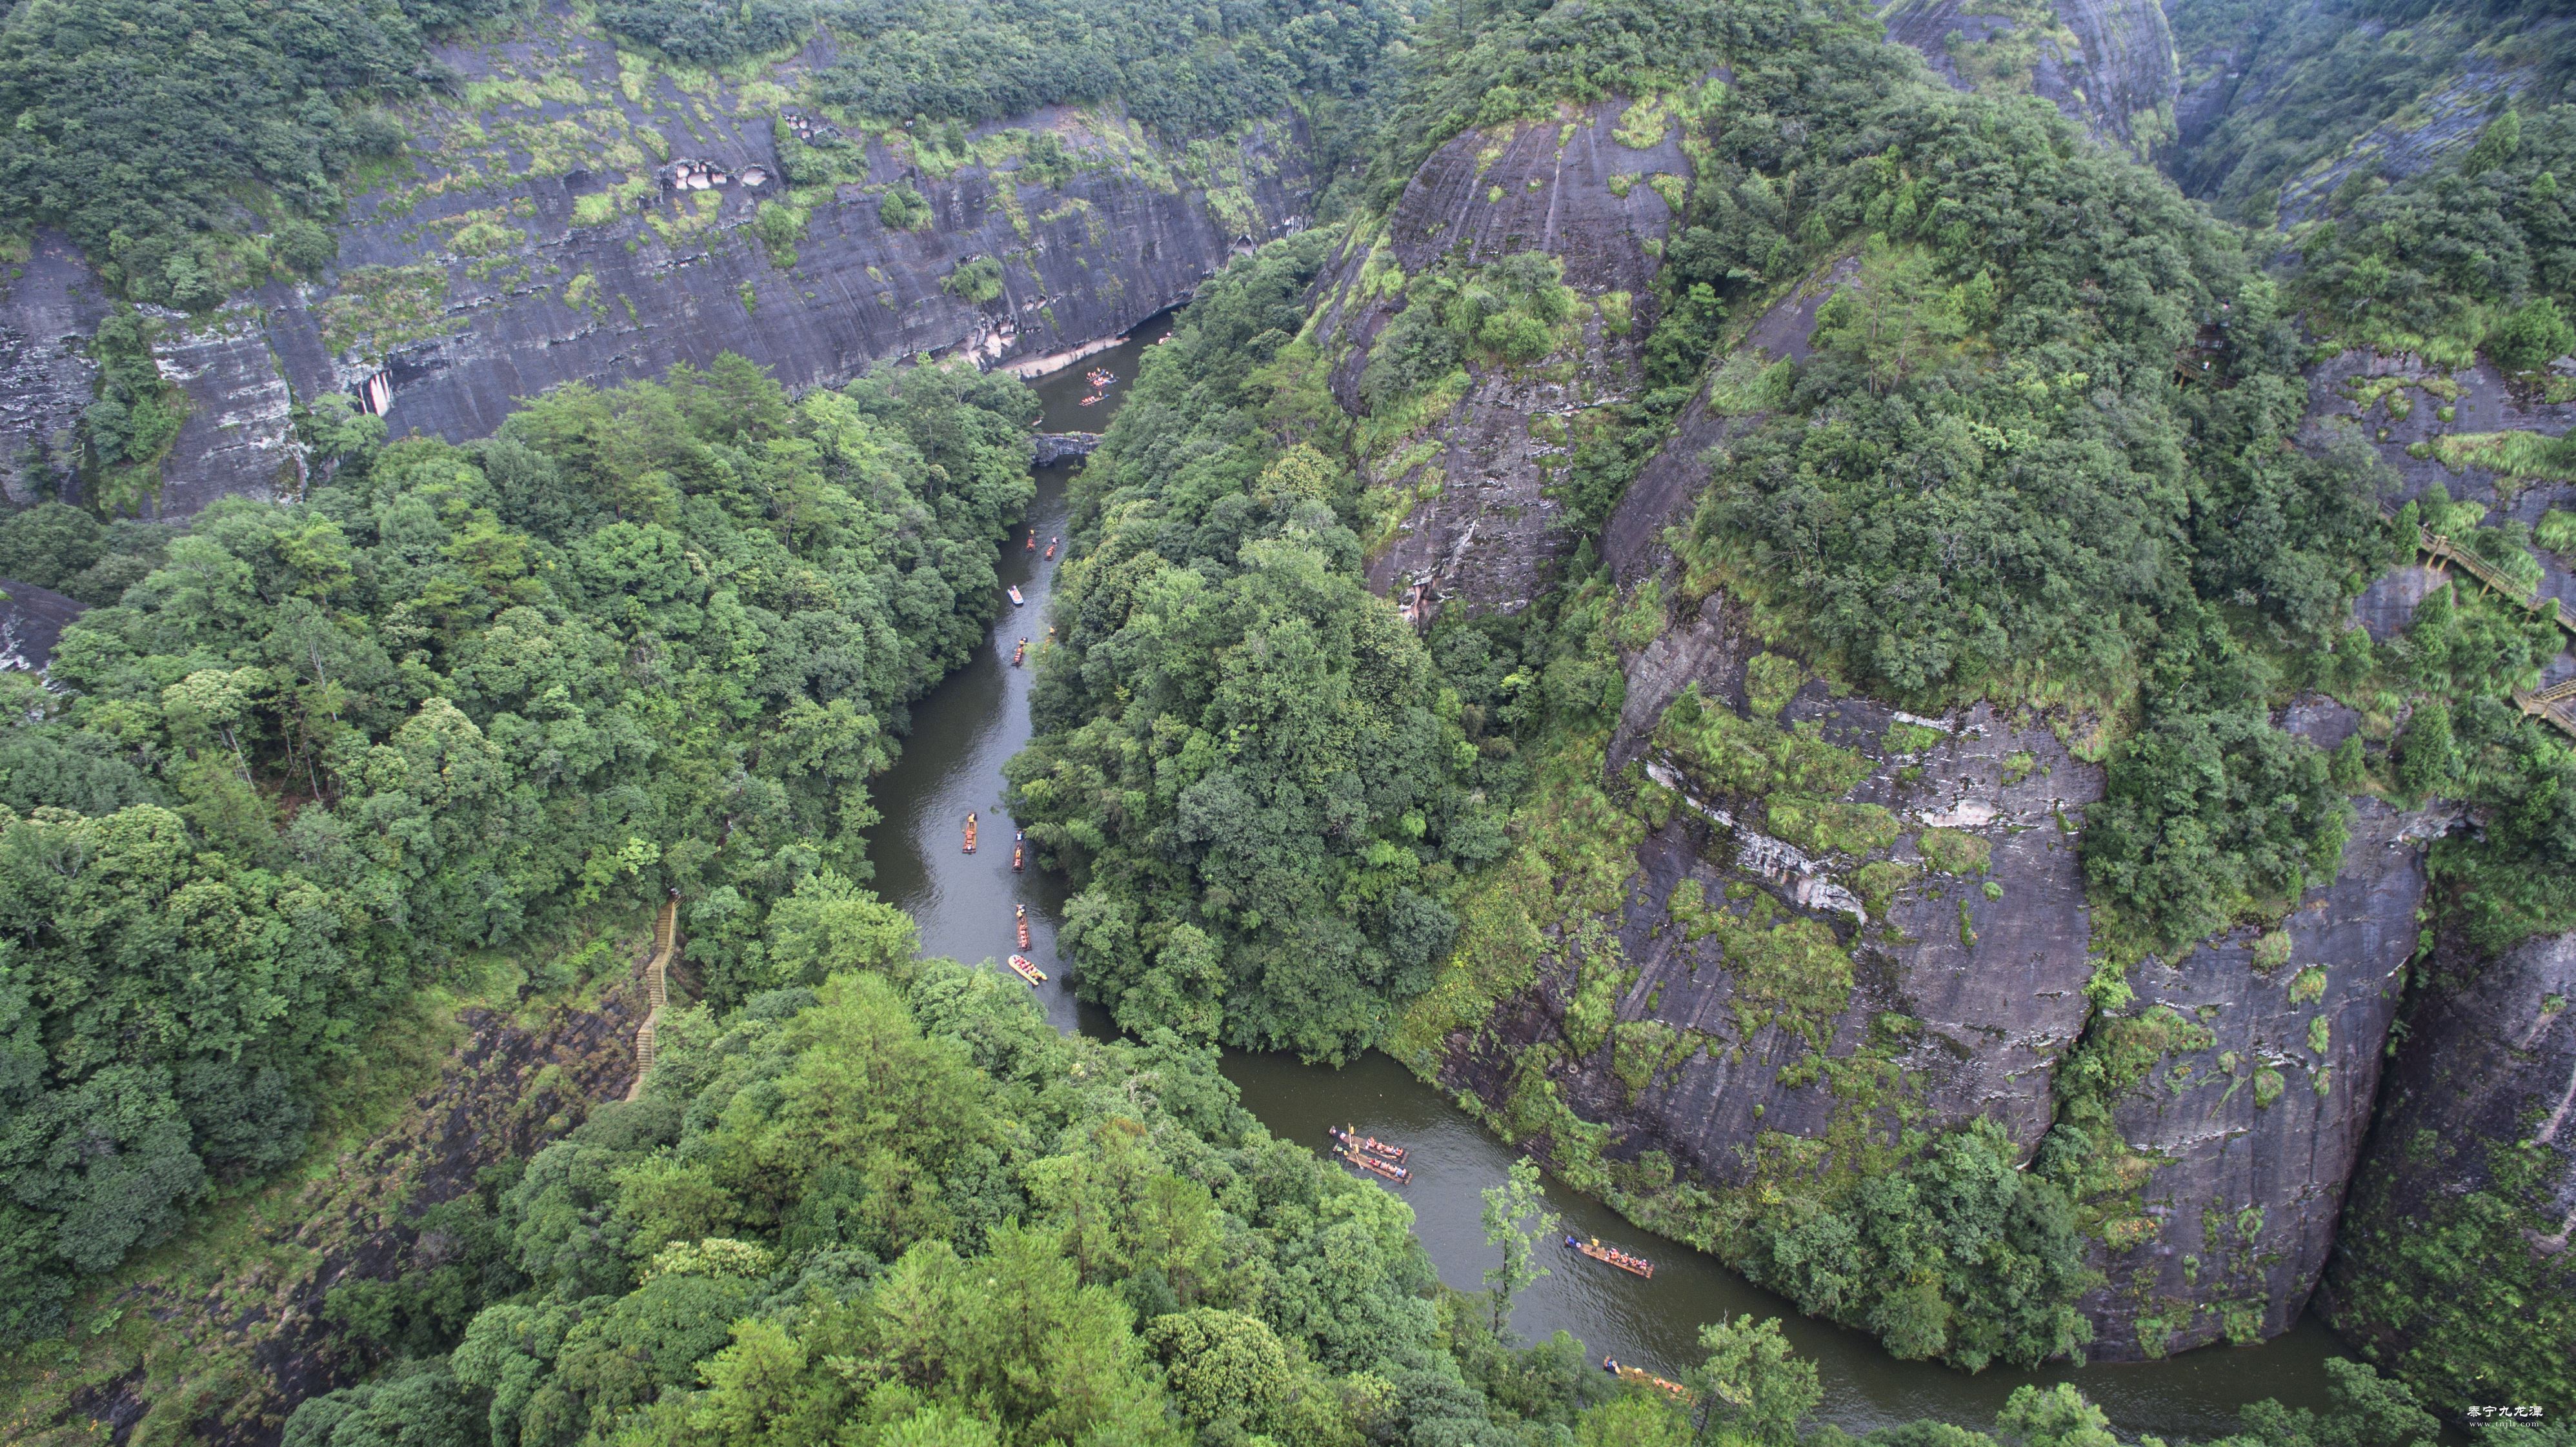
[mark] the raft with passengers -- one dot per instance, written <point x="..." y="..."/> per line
<point x="1350" y="1137"/>
<point x="1613" y="1256"/>
<point x="1023" y="921"/>
<point x="1019" y="848"/>
<point x="1021" y="967"/>
<point x="1353" y="1156"/>
<point x="1644" y="1378"/>
<point x="970" y="831"/>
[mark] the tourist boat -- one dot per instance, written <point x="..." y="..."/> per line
<point x="1016" y="600"/>
<point x="1019" y="653"/>
<point x="1372" y="1164"/>
<point x="1019" y="846"/>
<point x="1021" y="967"/>
<point x="1049" y="554"/>
<point x="1349" y="1136"/>
<point x="970" y="833"/>
<point x="1644" y="1378"/>
<point x="1613" y="1256"/>
<point x="1033" y="540"/>
<point x="1023" y="921"/>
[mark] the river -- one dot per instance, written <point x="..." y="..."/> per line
<point x="965" y="730"/>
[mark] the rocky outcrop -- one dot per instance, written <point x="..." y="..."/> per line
<point x="1047" y="449"/>
<point x="49" y="306"/>
<point x="1479" y="524"/>
<point x="1966" y="987"/>
<point x="2106" y="64"/>
<point x="571" y="217"/>
<point x="32" y="621"/>
<point x="2251" y="1122"/>
<point x="239" y="436"/>
<point x="2455" y="1253"/>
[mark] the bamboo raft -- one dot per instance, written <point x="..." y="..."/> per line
<point x="1644" y="1378"/>
<point x="1372" y="1164"/>
<point x="1023" y="921"/>
<point x="1020" y="653"/>
<point x="1050" y="552"/>
<point x="1021" y="967"/>
<point x="1613" y="1256"/>
<point x="1350" y="1137"/>
<point x="1019" y="847"/>
<point x="970" y="833"/>
<point x="1033" y="541"/>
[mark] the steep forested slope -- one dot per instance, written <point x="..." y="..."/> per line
<point x="649" y="639"/>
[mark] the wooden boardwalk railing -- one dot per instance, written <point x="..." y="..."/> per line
<point x="2555" y="705"/>
<point x="657" y="990"/>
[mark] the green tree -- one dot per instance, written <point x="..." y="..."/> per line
<point x="1752" y="1385"/>
<point x="1516" y="1219"/>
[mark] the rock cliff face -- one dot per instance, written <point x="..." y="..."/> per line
<point x="1962" y="996"/>
<point x="48" y="308"/>
<point x="1968" y="979"/>
<point x="2107" y="64"/>
<point x="2465" y="1205"/>
<point x="1475" y="518"/>
<point x="575" y="218"/>
<point x="2253" y="1120"/>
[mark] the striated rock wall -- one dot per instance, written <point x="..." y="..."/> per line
<point x="1477" y="520"/>
<point x="2106" y="64"/>
<point x="49" y="306"/>
<point x="560" y="221"/>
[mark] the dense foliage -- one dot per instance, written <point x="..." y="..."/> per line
<point x="2478" y="250"/>
<point x="901" y="1208"/>
<point x="1242" y="756"/>
<point x="898" y="1209"/>
<point x="1184" y="71"/>
<point x="657" y="637"/>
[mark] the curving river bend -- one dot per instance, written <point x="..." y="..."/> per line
<point x="975" y="720"/>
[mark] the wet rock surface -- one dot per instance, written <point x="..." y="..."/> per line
<point x="32" y="621"/>
<point x="2254" y="1121"/>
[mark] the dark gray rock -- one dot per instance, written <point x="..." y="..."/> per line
<point x="32" y="621"/>
<point x="1483" y="529"/>
<point x="1046" y="449"/>
<point x="536" y="244"/>
<point x="49" y="307"/>
<point x="2251" y="1129"/>
<point x="2488" y="1062"/>
<point x="1984" y="990"/>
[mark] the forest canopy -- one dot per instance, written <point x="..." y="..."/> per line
<point x="652" y="637"/>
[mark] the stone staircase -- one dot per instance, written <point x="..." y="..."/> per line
<point x="657" y="976"/>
